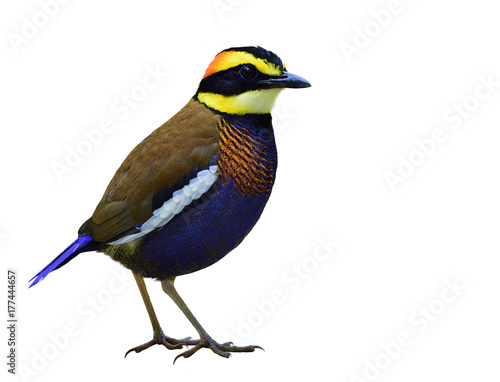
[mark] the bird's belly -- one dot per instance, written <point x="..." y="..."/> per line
<point x="202" y="233"/>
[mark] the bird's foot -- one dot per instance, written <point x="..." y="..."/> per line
<point x="224" y="350"/>
<point x="169" y="342"/>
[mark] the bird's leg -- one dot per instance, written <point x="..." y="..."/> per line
<point x="224" y="350"/>
<point x="158" y="337"/>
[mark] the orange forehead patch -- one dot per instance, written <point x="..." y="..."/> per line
<point x="232" y="58"/>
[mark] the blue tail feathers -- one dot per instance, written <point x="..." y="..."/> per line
<point x="82" y="244"/>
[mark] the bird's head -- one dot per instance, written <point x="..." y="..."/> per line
<point x="245" y="80"/>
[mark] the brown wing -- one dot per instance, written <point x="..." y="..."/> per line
<point x="189" y="139"/>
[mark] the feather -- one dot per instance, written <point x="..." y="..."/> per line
<point x="82" y="244"/>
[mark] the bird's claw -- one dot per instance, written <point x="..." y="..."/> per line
<point x="168" y="342"/>
<point x="224" y="350"/>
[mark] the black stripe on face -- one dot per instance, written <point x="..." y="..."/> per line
<point x="231" y="81"/>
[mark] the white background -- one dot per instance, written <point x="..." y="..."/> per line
<point x="397" y="248"/>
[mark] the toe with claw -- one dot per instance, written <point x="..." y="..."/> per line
<point x="224" y="350"/>
<point x="168" y="342"/>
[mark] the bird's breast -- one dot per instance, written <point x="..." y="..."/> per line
<point x="214" y="224"/>
<point x="248" y="159"/>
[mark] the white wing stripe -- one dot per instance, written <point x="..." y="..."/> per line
<point x="180" y="199"/>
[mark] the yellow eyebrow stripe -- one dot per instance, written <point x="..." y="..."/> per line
<point x="230" y="59"/>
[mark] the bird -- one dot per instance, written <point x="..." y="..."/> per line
<point x="190" y="192"/>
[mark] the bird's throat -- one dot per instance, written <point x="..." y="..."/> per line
<point x="249" y="102"/>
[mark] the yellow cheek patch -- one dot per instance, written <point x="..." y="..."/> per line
<point x="250" y="102"/>
<point x="230" y="59"/>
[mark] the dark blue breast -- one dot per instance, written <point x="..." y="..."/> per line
<point x="212" y="226"/>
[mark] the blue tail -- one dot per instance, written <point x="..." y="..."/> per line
<point x="82" y="244"/>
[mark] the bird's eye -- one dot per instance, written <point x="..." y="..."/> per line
<point x="248" y="72"/>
